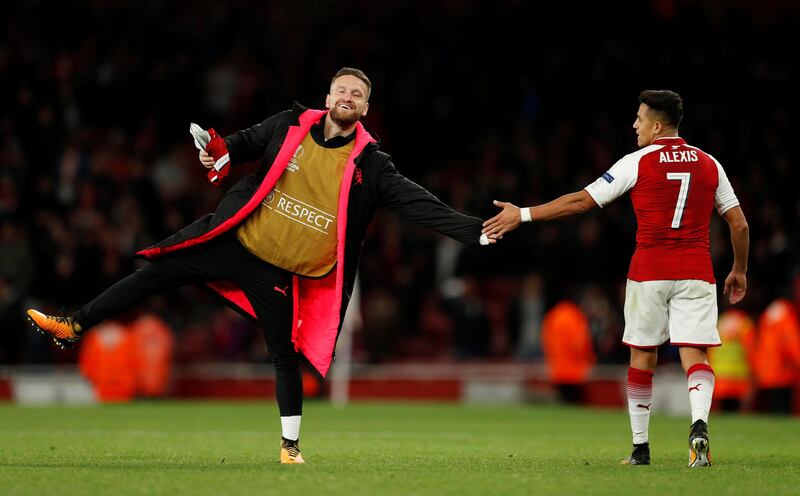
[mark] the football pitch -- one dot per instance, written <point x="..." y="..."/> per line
<point x="381" y="448"/>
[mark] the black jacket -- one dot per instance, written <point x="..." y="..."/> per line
<point x="373" y="182"/>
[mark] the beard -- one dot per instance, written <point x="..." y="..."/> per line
<point x="343" y="118"/>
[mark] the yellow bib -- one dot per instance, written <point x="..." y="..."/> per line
<point x="295" y="226"/>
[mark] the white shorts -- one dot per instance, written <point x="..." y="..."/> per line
<point x="683" y="312"/>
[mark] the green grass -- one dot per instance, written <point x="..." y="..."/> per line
<point x="387" y="448"/>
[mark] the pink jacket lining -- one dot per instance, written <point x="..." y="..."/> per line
<point x="317" y="302"/>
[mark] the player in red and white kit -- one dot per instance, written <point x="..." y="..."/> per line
<point x="671" y="293"/>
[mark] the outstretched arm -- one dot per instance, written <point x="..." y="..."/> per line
<point x="512" y="216"/>
<point x="415" y="203"/>
<point x="736" y="282"/>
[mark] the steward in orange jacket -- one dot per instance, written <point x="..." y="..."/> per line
<point x="108" y="359"/>
<point x="567" y="347"/>
<point x="778" y="355"/>
<point x="154" y="343"/>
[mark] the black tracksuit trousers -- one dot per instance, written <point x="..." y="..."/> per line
<point x="268" y="288"/>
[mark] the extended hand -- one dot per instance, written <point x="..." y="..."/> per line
<point x="507" y="220"/>
<point x="735" y="286"/>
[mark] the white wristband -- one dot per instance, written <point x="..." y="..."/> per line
<point x="525" y="214"/>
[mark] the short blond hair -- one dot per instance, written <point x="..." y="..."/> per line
<point x="351" y="71"/>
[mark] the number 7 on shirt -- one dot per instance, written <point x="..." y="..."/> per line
<point x="684" y="178"/>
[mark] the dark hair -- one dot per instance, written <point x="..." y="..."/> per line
<point x="667" y="103"/>
<point x="350" y="71"/>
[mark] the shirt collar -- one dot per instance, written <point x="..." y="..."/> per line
<point x="670" y="140"/>
<point x="318" y="134"/>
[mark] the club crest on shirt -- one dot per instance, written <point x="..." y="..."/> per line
<point x="294" y="166"/>
<point x="608" y="177"/>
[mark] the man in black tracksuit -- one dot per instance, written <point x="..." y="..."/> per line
<point x="283" y="244"/>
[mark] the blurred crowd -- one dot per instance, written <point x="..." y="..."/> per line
<point x="475" y="101"/>
<point x="756" y="369"/>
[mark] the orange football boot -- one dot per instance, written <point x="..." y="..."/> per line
<point x="64" y="330"/>
<point x="290" y="452"/>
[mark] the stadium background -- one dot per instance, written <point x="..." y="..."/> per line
<point x="475" y="101"/>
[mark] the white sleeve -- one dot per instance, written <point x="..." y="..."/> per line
<point x="724" y="199"/>
<point x="616" y="182"/>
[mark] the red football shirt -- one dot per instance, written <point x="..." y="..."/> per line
<point x="674" y="189"/>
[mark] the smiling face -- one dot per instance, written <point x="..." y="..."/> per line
<point x="347" y="100"/>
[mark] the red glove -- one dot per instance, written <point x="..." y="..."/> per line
<point x="213" y="144"/>
<point x="218" y="149"/>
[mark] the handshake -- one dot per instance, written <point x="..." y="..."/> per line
<point x="509" y="218"/>
<point x="213" y="152"/>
